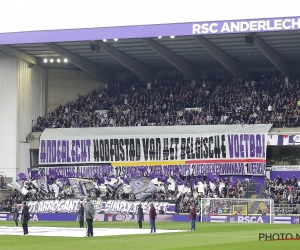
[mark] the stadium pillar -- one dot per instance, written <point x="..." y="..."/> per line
<point x="98" y="72"/>
<point x="231" y="64"/>
<point x="184" y="66"/>
<point x="139" y="68"/>
<point x="274" y="57"/>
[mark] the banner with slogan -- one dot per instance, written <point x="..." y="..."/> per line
<point x="101" y="206"/>
<point x="137" y="146"/>
<point x="165" y="170"/>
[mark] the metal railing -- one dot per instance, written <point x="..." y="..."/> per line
<point x="283" y="209"/>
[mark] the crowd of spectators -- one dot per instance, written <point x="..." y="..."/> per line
<point x="286" y="195"/>
<point x="223" y="188"/>
<point x="190" y="195"/>
<point x="8" y="202"/>
<point x="272" y="99"/>
<point x="261" y="98"/>
<point x="161" y="103"/>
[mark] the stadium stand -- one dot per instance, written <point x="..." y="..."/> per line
<point x="264" y="97"/>
<point x="286" y="195"/>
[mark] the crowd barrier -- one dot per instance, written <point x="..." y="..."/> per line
<point x="164" y="218"/>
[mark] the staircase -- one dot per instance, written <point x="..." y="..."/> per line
<point x="255" y="204"/>
<point x="216" y="90"/>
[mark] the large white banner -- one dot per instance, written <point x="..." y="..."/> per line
<point x="136" y="146"/>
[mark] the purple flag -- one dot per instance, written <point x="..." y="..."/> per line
<point x="22" y="176"/>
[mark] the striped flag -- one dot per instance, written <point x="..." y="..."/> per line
<point x="283" y="140"/>
<point x="282" y="220"/>
<point x="218" y="218"/>
<point x="3" y="216"/>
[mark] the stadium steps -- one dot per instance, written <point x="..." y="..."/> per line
<point x="215" y="92"/>
<point x="255" y="204"/>
<point x="250" y="203"/>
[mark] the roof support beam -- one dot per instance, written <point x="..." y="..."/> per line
<point x="136" y="66"/>
<point x="98" y="72"/>
<point x="273" y="56"/>
<point x="184" y="66"/>
<point x="231" y="64"/>
<point x="17" y="53"/>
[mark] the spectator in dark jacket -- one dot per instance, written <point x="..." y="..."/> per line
<point x="140" y="216"/>
<point x="193" y="217"/>
<point x="16" y="214"/>
<point x="152" y="217"/>
<point x="25" y="217"/>
<point x="81" y="216"/>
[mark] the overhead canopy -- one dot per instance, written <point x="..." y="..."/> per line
<point x="187" y="47"/>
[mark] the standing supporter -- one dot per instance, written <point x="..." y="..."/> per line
<point x="193" y="217"/>
<point x="2" y="181"/>
<point x="152" y="218"/>
<point x="89" y="215"/>
<point x="16" y="214"/>
<point x="25" y="217"/>
<point x="81" y="216"/>
<point x="140" y="216"/>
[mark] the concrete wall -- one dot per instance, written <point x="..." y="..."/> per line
<point x="22" y="99"/>
<point x="8" y="114"/>
<point x="64" y="85"/>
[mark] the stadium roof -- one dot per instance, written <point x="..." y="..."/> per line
<point x="187" y="54"/>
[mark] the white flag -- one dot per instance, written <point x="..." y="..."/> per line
<point x="24" y="191"/>
<point x="221" y="186"/>
<point x="212" y="186"/>
<point x="154" y="181"/>
<point x="201" y="187"/>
